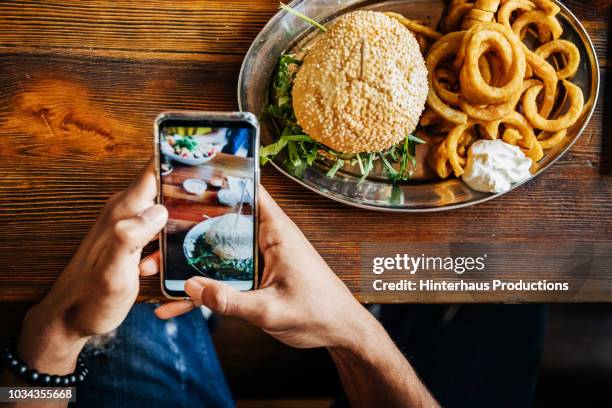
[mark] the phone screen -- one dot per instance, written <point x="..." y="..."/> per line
<point x="208" y="184"/>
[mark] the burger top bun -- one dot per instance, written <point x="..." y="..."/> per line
<point x="362" y="86"/>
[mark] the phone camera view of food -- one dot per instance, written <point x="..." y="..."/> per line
<point x="208" y="185"/>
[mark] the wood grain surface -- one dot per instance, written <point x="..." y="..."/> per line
<point x="80" y="85"/>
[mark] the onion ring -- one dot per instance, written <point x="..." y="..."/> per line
<point x="528" y="72"/>
<point x="438" y="160"/>
<point x="414" y="26"/>
<point x="456" y="13"/>
<point x="459" y="135"/>
<point x="429" y="117"/>
<point x="482" y="12"/>
<point x="553" y="140"/>
<point x="568" y="49"/>
<point x="539" y="18"/>
<point x="490" y="129"/>
<point x="528" y="142"/>
<point x="547" y="73"/>
<point x="444" y="47"/>
<point x="528" y="83"/>
<point x="448" y="96"/>
<point x="511" y="136"/>
<point x="490" y="6"/>
<point x="563" y="122"/>
<point x="473" y="86"/>
<point x="549" y="7"/>
<point x="491" y="112"/>
<point x="509" y="7"/>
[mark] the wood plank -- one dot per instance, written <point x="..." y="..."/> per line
<point x="154" y="26"/>
<point x="78" y="96"/>
<point x="191" y="26"/>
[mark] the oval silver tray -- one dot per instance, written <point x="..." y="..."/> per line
<point x="423" y="193"/>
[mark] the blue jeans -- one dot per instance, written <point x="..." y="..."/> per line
<point x="154" y="363"/>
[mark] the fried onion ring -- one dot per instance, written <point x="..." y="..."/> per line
<point x="443" y="48"/>
<point x="442" y="76"/>
<point x="549" y="7"/>
<point x="491" y="112"/>
<point x="490" y="6"/>
<point x="540" y="19"/>
<point x="473" y="86"/>
<point x="490" y="130"/>
<point x="438" y="160"/>
<point x="457" y="11"/>
<point x="547" y="73"/>
<point x="563" y="122"/>
<point x="511" y="136"/>
<point x="414" y="26"/>
<point x="429" y="117"/>
<point x="528" y="142"/>
<point x="566" y="48"/>
<point x="509" y="7"/>
<point x="553" y="140"/>
<point x="458" y="136"/>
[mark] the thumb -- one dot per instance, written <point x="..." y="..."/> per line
<point x="224" y="299"/>
<point x="132" y="234"/>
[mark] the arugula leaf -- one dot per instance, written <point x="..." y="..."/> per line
<point x="303" y="17"/>
<point x="369" y="165"/>
<point x="391" y="172"/>
<point x="360" y="164"/>
<point x="267" y="153"/>
<point x="415" y="139"/>
<point x="312" y="154"/>
<point x="334" y="169"/>
<point x="294" y="157"/>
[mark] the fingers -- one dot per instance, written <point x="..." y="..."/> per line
<point x="275" y="225"/>
<point x="269" y="210"/>
<point x="225" y="300"/>
<point x="150" y="265"/>
<point x="144" y="187"/>
<point x="173" y="309"/>
<point x="132" y="234"/>
<point x="139" y="196"/>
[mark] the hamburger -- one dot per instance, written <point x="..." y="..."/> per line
<point x="231" y="236"/>
<point x="353" y="94"/>
<point x="225" y="250"/>
<point x="363" y="86"/>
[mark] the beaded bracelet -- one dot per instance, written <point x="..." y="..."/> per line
<point x="19" y="368"/>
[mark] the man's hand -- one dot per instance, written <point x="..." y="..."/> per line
<point x="95" y="292"/>
<point x="300" y="301"/>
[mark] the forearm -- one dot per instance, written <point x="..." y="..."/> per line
<point x="375" y="373"/>
<point x="44" y="345"/>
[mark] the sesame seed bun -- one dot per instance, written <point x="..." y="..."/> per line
<point x="362" y="86"/>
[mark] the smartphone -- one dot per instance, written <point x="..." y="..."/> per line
<point x="208" y="177"/>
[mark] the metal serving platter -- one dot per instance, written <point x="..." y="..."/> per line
<point x="424" y="193"/>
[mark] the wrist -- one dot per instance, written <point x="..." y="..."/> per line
<point x="363" y="335"/>
<point x="47" y="345"/>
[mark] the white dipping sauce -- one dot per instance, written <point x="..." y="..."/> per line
<point x="493" y="165"/>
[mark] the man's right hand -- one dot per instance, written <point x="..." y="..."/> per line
<point x="300" y="301"/>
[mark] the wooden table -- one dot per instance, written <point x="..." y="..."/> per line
<point x="80" y="84"/>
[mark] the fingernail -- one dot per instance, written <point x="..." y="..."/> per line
<point x="156" y="215"/>
<point x="193" y="288"/>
